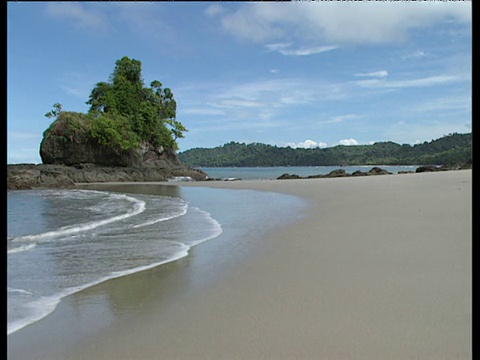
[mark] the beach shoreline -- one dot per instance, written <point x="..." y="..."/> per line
<point x="379" y="269"/>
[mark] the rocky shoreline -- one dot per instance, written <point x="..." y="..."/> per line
<point x="30" y="176"/>
<point x="373" y="171"/>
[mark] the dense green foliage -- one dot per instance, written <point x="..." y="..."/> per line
<point x="448" y="150"/>
<point x="68" y="126"/>
<point x="124" y="113"/>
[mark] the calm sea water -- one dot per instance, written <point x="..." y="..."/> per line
<point x="62" y="241"/>
<point x="268" y="173"/>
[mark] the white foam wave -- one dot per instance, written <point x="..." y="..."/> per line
<point x="182" y="212"/>
<point x="217" y="229"/>
<point x="40" y="308"/>
<point x="21" y="248"/>
<point x="138" y="208"/>
<point x="21" y="291"/>
<point x="46" y="305"/>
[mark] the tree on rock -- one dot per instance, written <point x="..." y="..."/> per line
<point x="127" y="124"/>
<point x="142" y="114"/>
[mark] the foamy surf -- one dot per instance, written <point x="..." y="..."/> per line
<point x="43" y="306"/>
<point x="110" y="235"/>
<point x="21" y="248"/>
<point x="182" y="212"/>
<point x="138" y="207"/>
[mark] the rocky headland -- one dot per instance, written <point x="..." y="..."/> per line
<point x="70" y="155"/>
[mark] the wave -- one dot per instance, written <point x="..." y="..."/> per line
<point x="47" y="304"/>
<point x="175" y="239"/>
<point x="21" y="291"/>
<point x="21" y="248"/>
<point x="216" y="230"/>
<point x="138" y="208"/>
<point x="182" y="212"/>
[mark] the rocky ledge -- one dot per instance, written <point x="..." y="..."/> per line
<point x="337" y="173"/>
<point x="375" y="171"/>
<point x="29" y="176"/>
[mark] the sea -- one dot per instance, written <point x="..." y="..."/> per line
<point x="269" y="173"/>
<point x="63" y="241"/>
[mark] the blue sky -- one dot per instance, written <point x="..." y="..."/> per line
<point x="301" y="74"/>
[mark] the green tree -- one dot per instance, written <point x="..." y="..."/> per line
<point x="57" y="109"/>
<point x="149" y="112"/>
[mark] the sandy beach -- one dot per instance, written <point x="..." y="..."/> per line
<point x="380" y="268"/>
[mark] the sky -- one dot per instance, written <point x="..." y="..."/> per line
<point x="299" y="74"/>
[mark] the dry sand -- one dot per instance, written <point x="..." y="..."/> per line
<point x="381" y="268"/>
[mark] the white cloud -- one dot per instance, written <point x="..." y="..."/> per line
<point x="428" y="81"/>
<point x="340" y="118"/>
<point x="20" y="135"/>
<point x="238" y="103"/>
<point x="307" y="144"/>
<point x="380" y="74"/>
<point x="78" y="84"/>
<point x="459" y="103"/>
<point x="341" y="22"/>
<point x="420" y="82"/>
<point x="201" y="111"/>
<point x="268" y="94"/>
<point x="290" y="50"/>
<point x="151" y="21"/>
<point x="348" y="142"/>
<point x="214" y="10"/>
<point x="78" y="15"/>
<point x="417" y="55"/>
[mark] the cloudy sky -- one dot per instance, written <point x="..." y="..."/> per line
<point x="301" y="74"/>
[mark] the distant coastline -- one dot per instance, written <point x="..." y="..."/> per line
<point x="451" y="150"/>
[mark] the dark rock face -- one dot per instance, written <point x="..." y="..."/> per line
<point x="81" y="149"/>
<point x="68" y="141"/>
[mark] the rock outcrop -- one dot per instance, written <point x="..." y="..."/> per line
<point x="71" y="155"/>
<point x="68" y="142"/>
<point x="337" y="173"/>
<point x="29" y="176"/>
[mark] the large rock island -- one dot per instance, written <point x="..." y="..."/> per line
<point x="75" y="158"/>
<point x="129" y="134"/>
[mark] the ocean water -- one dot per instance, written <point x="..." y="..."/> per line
<point x="269" y="173"/>
<point x="60" y="242"/>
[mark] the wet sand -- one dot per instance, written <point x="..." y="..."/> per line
<point x="381" y="268"/>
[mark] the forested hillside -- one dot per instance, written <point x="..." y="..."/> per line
<point x="453" y="149"/>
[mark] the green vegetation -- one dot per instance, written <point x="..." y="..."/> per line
<point x="452" y="149"/>
<point x="124" y="113"/>
<point x="68" y="125"/>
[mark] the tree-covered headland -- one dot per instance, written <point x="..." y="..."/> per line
<point x="123" y="114"/>
<point x="450" y="150"/>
